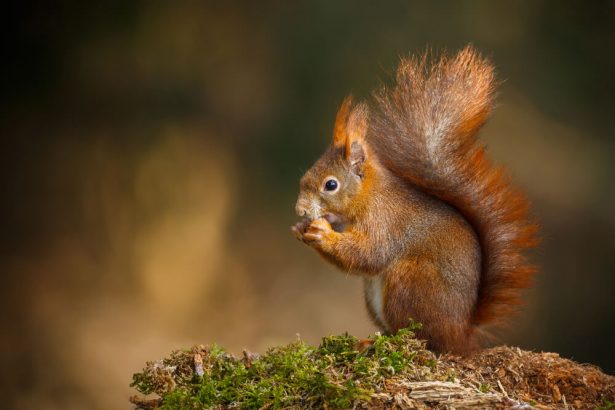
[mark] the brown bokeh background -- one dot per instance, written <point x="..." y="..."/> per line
<point x="151" y="151"/>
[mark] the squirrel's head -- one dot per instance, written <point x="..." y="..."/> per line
<point x="328" y="189"/>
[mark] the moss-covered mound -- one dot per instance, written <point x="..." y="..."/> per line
<point x="382" y="372"/>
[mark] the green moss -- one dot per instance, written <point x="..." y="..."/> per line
<point x="337" y="373"/>
<point x="606" y="405"/>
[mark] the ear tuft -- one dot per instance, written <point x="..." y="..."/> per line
<point x="340" y="132"/>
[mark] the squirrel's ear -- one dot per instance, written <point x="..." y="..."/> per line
<point x="356" y="131"/>
<point x="350" y="131"/>
<point x="340" y="132"/>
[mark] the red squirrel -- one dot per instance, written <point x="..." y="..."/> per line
<point x="406" y="198"/>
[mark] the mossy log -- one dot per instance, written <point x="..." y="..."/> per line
<point x="383" y="372"/>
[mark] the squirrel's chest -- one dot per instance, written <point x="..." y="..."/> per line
<point x="374" y="297"/>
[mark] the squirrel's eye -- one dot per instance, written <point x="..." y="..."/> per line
<point x="330" y="185"/>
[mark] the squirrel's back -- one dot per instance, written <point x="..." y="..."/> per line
<point x="423" y="129"/>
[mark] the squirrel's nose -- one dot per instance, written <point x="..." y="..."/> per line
<point x="300" y="208"/>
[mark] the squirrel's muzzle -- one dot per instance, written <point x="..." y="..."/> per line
<point x="300" y="210"/>
<point x="306" y="208"/>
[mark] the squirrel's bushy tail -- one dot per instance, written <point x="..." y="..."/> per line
<point x="424" y="128"/>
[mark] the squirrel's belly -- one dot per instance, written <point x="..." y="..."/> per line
<point x="374" y="295"/>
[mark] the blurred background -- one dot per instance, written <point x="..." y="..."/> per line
<point x="150" y="157"/>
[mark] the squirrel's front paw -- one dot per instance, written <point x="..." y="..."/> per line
<point x="299" y="229"/>
<point x="319" y="233"/>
